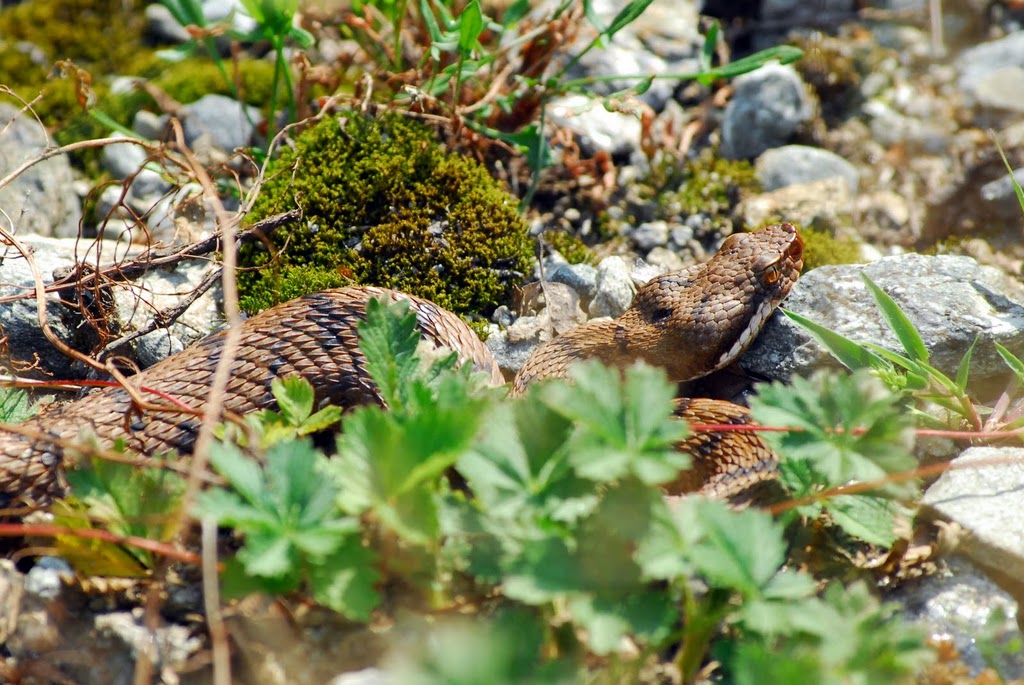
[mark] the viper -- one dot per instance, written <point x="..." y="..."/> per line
<point x="690" y="322"/>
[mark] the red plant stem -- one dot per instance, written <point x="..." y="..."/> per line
<point x="927" y="432"/>
<point x="48" y="530"/>
<point x="70" y="385"/>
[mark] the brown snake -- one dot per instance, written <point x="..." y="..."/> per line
<point x="689" y="322"/>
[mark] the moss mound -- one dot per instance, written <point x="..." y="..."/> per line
<point x="384" y="205"/>
<point x="821" y="248"/>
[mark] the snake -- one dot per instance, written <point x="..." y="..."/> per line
<point x="689" y="322"/>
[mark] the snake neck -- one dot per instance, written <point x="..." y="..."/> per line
<point x="618" y="343"/>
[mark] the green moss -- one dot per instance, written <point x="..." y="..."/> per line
<point x="191" y="79"/>
<point x="707" y="185"/>
<point x="384" y="205"/>
<point x="821" y="248"/>
<point x="569" y="246"/>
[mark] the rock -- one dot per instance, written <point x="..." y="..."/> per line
<point x="984" y="66"/>
<point x="12" y="589"/>
<point x="650" y="235"/>
<point x="1001" y="194"/>
<point x="161" y="25"/>
<point x="136" y="302"/>
<point x="823" y="204"/>
<point x="367" y="676"/>
<point x="796" y="164"/>
<point x="950" y="299"/>
<point x="662" y="40"/>
<point x="19" y="320"/>
<point x="961" y="604"/>
<point x="983" y="492"/>
<point x="665" y="259"/>
<point x="156" y="346"/>
<point x="596" y="128"/>
<point x="580" y="277"/>
<point x="1002" y="89"/>
<point x="147" y="124"/>
<point x="42" y="199"/>
<point x="891" y="128"/>
<point x="615" y="288"/>
<point x="46" y="579"/>
<point x="766" y="109"/>
<point x="223" y="120"/>
<point x="562" y="307"/>
<point x="126" y="159"/>
<point x="512" y="346"/>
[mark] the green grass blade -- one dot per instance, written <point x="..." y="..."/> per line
<point x="1009" y="169"/>
<point x="902" y="326"/>
<point x="964" y="370"/>
<point x="850" y="354"/>
<point x="1015" y="364"/>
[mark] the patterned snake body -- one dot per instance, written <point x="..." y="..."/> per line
<point x="691" y="323"/>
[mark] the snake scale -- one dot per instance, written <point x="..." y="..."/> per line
<point x="690" y="322"/>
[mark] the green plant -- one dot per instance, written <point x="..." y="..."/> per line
<point x="274" y="24"/>
<point x="822" y="248"/>
<point x="384" y="205"/>
<point x="543" y="512"/>
<point x="910" y="372"/>
<point x="459" y="56"/>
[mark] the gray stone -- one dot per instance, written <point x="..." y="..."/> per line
<point x="665" y="259"/>
<point x="367" y="676"/>
<point x="766" y="109"/>
<point x="596" y="128"/>
<point x="156" y="346"/>
<point x="19" y="320"/>
<point x="46" y="579"/>
<point x="580" y="277"/>
<point x="227" y="123"/>
<point x="512" y="346"/>
<point x="562" y="306"/>
<point x="615" y="288"/>
<point x="135" y="304"/>
<point x="950" y="299"/>
<point x="126" y="159"/>
<point x="650" y="235"/>
<point x="162" y="25"/>
<point x="42" y="199"/>
<point x="662" y="40"/>
<point x="891" y="128"/>
<point x="1002" y="195"/>
<point x="977" y="64"/>
<point x="1002" y="89"/>
<point x="823" y="204"/>
<point x="961" y="604"/>
<point x="147" y="124"/>
<point x="983" y="493"/>
<point x="795" y="164"/>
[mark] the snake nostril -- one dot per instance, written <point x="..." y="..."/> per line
<point x="661" y="315"/>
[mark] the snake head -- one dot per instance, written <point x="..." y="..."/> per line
<point x="701" y="319"/>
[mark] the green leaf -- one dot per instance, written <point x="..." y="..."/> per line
<point x="471" y="25"/>
<point x="1009" y="169"/>
<point x="285" y="510"/>
<point x="964" y="369"/>
<point x="1015" y="364"/>
<point x="388" y="337"/>
<point x="15" y="406"/>
<point x="851" y="354"/>
<point x="294" y="396"/>
<point x="898" y="321"/>
<point x="737" y="550"/>
<point x="707" y="53"/>
<point x="623" y="426"/>
<point x="871" y="519"/>
<point x="346" y="580"/>
<point x="626" y="16"/>
<point x="850" y="428"/>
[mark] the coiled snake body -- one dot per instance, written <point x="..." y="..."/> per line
<point x="689" y="322"/>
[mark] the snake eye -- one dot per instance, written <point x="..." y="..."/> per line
<point x="772" y="274"/>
